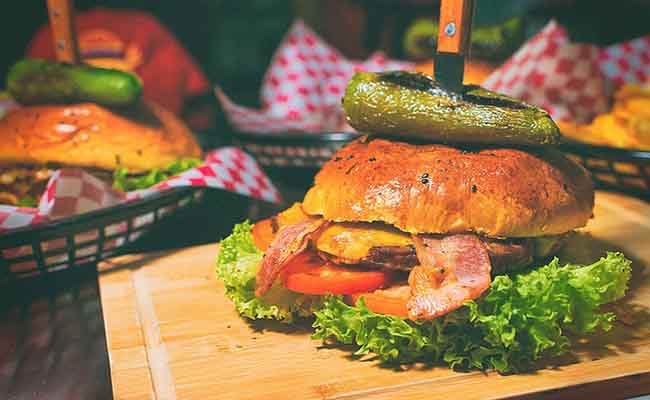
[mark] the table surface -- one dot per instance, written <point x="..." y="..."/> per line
<point x="52" y="342"/>
<point x="171" y="333"/>
<point x="52" y="338"/>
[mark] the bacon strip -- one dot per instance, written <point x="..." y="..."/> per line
<point x="452" y="270"/>
<point x="290" y="241"/>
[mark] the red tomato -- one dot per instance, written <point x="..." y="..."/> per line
<point x="391" y="301"/>
<point x="309" y="274"/>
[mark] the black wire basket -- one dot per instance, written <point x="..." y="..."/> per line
<point x="87" y="238"/>
<point x="292" y="160"/>
<point x="620" y="170"/>
<point x="293" y="150"/>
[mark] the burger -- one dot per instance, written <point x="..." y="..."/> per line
<point x="430" y="252"/>
<point x="38" y="139"/>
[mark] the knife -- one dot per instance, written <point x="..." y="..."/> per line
<point x="453" y="43"/>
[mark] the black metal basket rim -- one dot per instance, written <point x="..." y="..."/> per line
<point x="301" y="138"/>
<point x="89" y="220"/>
<point x="298" y="138"/>
<point x="606" y="151"/>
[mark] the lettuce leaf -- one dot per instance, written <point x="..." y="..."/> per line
<point x="237" y="265"/>
<point x="521" y="319"/>
<point x="27" y="201"/>
<point x="122" y="181"/>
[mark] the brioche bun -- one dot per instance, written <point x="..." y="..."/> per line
<point x="92" y="136"/>
<point x="439" y="189"/>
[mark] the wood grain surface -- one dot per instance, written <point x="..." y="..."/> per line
<point x="172" y="334"/>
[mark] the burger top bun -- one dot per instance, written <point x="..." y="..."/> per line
<point x="439" y="189"/>
<point x="89" y="135"/>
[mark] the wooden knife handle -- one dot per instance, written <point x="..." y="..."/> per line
<point x="455" y="26"/>
<point x="62" y="22"/>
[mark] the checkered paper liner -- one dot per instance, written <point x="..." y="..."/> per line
<point x="551" y="72"/>
<point x="569" y="79"/>
<point x="627" y="62"/>
<point x="302" y="89"/>
<point x="72" y="192"/>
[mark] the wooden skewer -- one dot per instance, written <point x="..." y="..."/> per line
<point x="455" y="25"/>
<point x="61" y="14"/>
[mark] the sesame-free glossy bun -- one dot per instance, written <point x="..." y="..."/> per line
<point x="89" y="135"/>
<point x="501" y="192"/>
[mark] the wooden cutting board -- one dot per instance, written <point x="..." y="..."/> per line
<point x="172" y="334"/>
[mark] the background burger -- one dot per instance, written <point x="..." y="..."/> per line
<point x="61" y="126"/>
<point x="36" y="140"/>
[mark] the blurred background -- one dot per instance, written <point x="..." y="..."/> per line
<point x="233" y="42"/>
<point x="51" y="339"/>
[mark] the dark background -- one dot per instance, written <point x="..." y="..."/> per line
<point x="233" y="41"/>
<point x="52" y="343"/>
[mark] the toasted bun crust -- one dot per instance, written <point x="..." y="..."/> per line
<point x="441" y="189"/>
<point x="89" y="135"/>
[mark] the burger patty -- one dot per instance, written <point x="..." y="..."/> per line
<point x="400" y="258"/>
<point x="19" y="182"/>
<point x="505" y="255"/>
<point x="509" y="255"/>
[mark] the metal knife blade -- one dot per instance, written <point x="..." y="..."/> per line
<point x="449" y="70"/>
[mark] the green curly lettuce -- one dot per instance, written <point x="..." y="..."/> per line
<point x="237" y="266"/>
<point x="122" y="181"/>
<point x="521" y="319"/>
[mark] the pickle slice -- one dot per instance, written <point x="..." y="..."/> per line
<point x="413" y="104"/>
<point x="34" y="81"/>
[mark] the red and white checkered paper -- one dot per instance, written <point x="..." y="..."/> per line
<point x="302" y="89"/>
<point x="627" y="62"/>
<point x="551" y="72"/>
<point x="72" y="191"/>
<point x="569" y="79"/>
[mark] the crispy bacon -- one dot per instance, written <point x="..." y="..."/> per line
<point x="452" y="270"/>
<point x="290" y="241"/>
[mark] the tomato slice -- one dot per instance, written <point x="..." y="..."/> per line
<point x="391" y="301"/>
<point x="309" y="274"/>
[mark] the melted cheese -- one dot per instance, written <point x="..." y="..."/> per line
<point x="353" y="241"/>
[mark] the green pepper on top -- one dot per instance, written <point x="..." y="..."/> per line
<point x="412" y="104"/>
